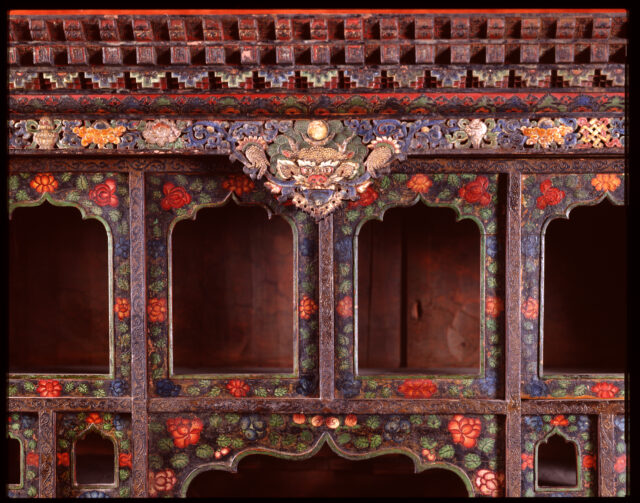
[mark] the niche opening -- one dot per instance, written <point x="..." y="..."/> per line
<point x="419" y="293"/>
<point x="557" y="463"/>
<point x="585" y="297"/>
<point x="232" y="286"/>
<point x="94" y="459"/>
<point x="327" y="475"/>
<point x="59" y="292"/>
<point x="14" y="461"/>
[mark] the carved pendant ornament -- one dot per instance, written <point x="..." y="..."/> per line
<point x="317" y="164"/>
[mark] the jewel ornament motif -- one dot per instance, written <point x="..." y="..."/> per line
<point x="317" y="164"/>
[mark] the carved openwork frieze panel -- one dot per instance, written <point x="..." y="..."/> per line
<point x="545" y="198"/>
<point x="71" y="428"/>
<point x="183" y="445"/>
<point x="580" y="431"/>
<point x="23" y="427"/>
<point x="171" y="198"/>
<point x="105" y="197"/>
<point x="471" y="196"/>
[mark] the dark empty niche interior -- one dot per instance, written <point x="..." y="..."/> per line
<point x="58" y="291"/>
<point x="327" y="475"/>
<point x="419" y="293"/>
<point x="232" y="283"/>
<point x="95" y="459"/>
<point x="585" y="291"/>
<point x="557" y="463"/>
<point x="13" y="460"/>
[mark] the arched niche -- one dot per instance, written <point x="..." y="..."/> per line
<point x="15" y="461"/>
<point x="419" y="285"/>
<point x="584" y="308"/>
<point x="232" y="270"/>
<point x="60" y="312"/>
<point x="327" y="472"/>
<point x="95" y="460"/>
<point x="557" y="465"/>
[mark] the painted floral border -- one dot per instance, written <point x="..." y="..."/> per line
<point x="24" y="427"/>
<point x="620" y="467"/>
<point x="70" y="427"/>
<point x="544" y="198"/>
<point x="106" y="196"/>
<point x="172" y="197"/>
<point x="581" y="429"/>
<point x="414" y="137"/>
<point x="186" y="444"/>
<point x="471" y="196"/>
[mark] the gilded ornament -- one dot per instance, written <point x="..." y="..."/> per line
<point x="161" y="132"/>
<point x="476" y="129"/>
<point x="318" y="130"/>
<point x="545" y="133"/>
<point x="254" y="150"/>
<point x="100" y="133"/>
<point x="45" y="133"/>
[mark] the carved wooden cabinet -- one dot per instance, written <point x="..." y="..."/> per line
<point x="336" y="239"/>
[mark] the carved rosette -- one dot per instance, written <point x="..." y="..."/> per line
<point x="316" y="164"/>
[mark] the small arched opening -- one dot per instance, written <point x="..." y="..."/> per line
<point x="557" y="463"/>
<point x="95" y="458"/>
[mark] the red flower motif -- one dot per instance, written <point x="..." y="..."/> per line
<point x="238" y="184"/>
<point x="605" y="390"/>
<point x="366" y="198"/>
<point x="63" y="458"/>
<point x="420" y="183"/>
<point x="33" y="459"/>
<point x="307" y="307"/>
<point x="621" y="464"/>
<point x="124" y="459"/>
<point x="184" y="431"/>
<point x="465" y="430"/>
<point x="238" y="388"/>
<point x="104" y="194"/>
<point x="476" y="191"/>
<point x="345" y="307"/>
<point x="527" y="460"/>
<point x="550" y="195"/>
<point x="559" y="421"/>
<point x="122" y="308"/>
<point x="94" y="418"/>
<point x="161" y="481"/>
<point x="157" y="309"/>
<point x="417" y="388"/>
<point x="494" y="306"/>
<point x="49" y="388"/>
<point x="588" y="461"/>
<point x="332" y="422"/>
<point x="489" y="482"/>
<point x="299" y="418"/>
<point x="44" y="182"/>
<point x="351" y="420"/>
<point x="530" y="309"/>
<point x="174" y="196"/>
<point x="317" y="421"/>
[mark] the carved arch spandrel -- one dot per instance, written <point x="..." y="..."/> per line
<point x="471" y="196"/>
<point x="172" y="198"/>
<point x="104" y="197"/>
<point x="547" y="197"/>
<point x="183" y="445"/>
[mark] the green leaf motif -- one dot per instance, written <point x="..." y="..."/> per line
<point x="361" y="442"/>
<point x="165" y="444"/>
<point x="415" y="419"/>
<point x="193" y="390"/>
<point x="345" y="286"/>
<point x="32" y="492"/>
<point x="344" y="438"/>
<point x="215" y="391"/>
<point x="14" y="182"/>
<point x="63" y="444"/>
<point x="433" y="422"/>
<point x="472" y="461"/>
<point x="215" y="420"/>
<point x="306" y="436"/>
<point x="205" y="451"/>
<point x="373" y="422"/>
<point x="280" y="391"/>
<point x="386" y="392"/>
<point x="276" y="420"/>
<point x="486" y="444"/>
<point x="588" y="447"/>
<point x="237" y="443"/>
<point x="82" y="183"/>
<point x="223" y="441"/>
<point x="260" y="392"/>
<point x="29" y="386"/>
<point x="124" y="474"/>
<point x="376" y="441"/>
<point x="180" y="460"/>
<point x="621" y="448"/>
<point x="446" y="452"/>
<point x="232" y="418"/>
<point x="428" y="442"/>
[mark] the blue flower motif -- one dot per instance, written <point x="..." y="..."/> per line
<point x="165" y="388"/>
<point x="620" y="423"/>
<point x="537" y="388"/>
<point x="27" y="422"/>
<point x="344" y="248"/>
<point x="122" y="248"/>
<point x="94" y="494"/>
<point x="118" y="387"/>
<point x="118" y="423"/>
<point x="583" y="423"/>
<point x="530" y="245"/>
<point x="307" y="247"/>
<point x="157" y="248"/>
<point x="349" y="386"/>
<point x="253" y="427"/>
<point x="492" y="246"/>
<point x="397" y="429"/>
<point x="534" y="422"/>
<point x="488" y="384"/>
<point x="306" y="385"/>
